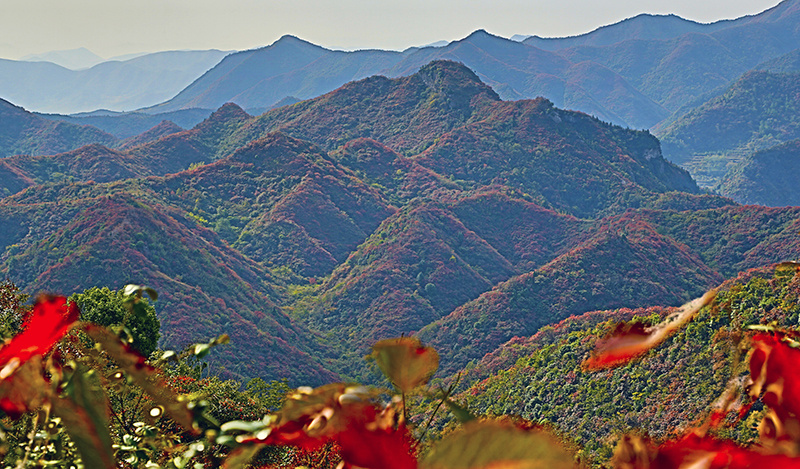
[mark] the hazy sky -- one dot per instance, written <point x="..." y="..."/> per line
<point x="114" y="27"/>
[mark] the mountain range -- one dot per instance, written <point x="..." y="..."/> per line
<point x="421" y="204"/>
<point x="118" y="85"/>
<point x="660" y="72"/>
<point x="636" y="72"/>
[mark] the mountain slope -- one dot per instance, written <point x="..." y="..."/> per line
<point x="565" y="160"/>
<point x="88" y="163"/>
<point x="768" y="177"/>
<point x="23" y="132"/>
<point x="72" y="239"/>
<point x="672" y="388"/>
<point x="755" y="113"/>
<point x="625" y="264"/>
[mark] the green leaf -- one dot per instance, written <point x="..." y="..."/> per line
<point x="201" y="350"/>
<point x="461" y="413"/>
<point x="242" y="455"/>
<point x="138" y="290"/>
<point x="82" y="410"/>
<point x="406" y="362"/>
<point x="496" y="445"/>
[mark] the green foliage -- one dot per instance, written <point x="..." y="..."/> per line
<point x="12" y="309"/>
<point x="108" y="308"/>
<point x="675" y="385"/>
<point x="271" y="395"/>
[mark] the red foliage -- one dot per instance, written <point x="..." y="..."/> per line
<point x="49" y="321"/>
<point x="362" y="442"/>
<point x="695" y="451"/>
<point x="773" y="371"/>
<point x="365" y="435"/>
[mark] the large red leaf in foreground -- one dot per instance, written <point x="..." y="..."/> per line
<point x="50" y="319"/>
<point x="695" y="452"/>
<point x="367" y="436"/>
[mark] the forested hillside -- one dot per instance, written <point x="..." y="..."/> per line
<point x="422" y="204"/>
<point x="670" y="389"/>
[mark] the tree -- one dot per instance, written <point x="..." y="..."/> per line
<point x="108" y="308"/>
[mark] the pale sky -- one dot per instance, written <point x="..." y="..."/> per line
<point x="113" y="27"/>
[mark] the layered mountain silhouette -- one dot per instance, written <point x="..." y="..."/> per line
<point x="636" y="72"/>
<point x="22" y="132"/>
<point x="756" y="112"/>
<point x="114" y="85"/>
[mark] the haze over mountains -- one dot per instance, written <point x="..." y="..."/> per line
<point x="626" y="73"/>
<point x="636" y="72"/>
<point x="115" y="85"/>
<point x="649" y="71"/>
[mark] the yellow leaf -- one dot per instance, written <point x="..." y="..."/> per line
<point x="406" y="362"/>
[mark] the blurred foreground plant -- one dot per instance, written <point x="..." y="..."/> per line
<point x="77" y="394"/>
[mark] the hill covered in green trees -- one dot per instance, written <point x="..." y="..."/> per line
<point x="672" y="388"/>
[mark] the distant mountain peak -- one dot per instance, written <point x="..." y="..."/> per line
<point x="481" y="34"/>
<point x="74" y="59"/>
<point x="448" y="67"/>
<point x="456" y="79"/>
<point x="228" y="111"/>
<point x="289" y="40"/>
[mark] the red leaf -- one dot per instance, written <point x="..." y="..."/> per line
<point x="626" y="342"/>
<point x="773" y="372"/>
<point x="377" y="449"/>
<point x="629" y="341"/>
<point x="367" y="436"/>
<point x="693" y="451"/>
<point x="50" y="319"/>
